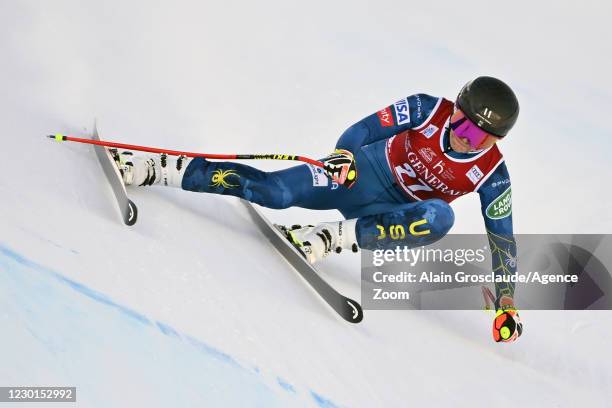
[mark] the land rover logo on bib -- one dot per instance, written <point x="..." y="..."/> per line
<point x="501" y="207"/>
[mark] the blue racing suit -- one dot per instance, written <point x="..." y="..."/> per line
<point x="375" y="199"/>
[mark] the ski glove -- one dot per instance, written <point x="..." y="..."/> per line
<point x="340" y="167"/>
<point x="507" y="325"/>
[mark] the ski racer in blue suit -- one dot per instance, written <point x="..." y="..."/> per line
<point x="395" y="170"/>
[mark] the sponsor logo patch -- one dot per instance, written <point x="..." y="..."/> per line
<point x="319" y="179"/>
<point x="500" y="183"/>
<point x="385" y="117"/>
<point x="419" y="104"/>
<point x="407" y="145"/>
<point x="448" y="174"/>
<point x="429" y="131"/>
<point x="474" y="174"/>
<point x="486" y="115"/>
<point x="221" y="178"/>
<point x="427" y="154"/>
<point x="501" y="207"/>
<point x="402" y="111"/>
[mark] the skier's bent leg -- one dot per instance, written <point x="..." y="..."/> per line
<point x="411" y="225"/>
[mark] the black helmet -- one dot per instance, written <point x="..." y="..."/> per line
<point x="490" y="104"/>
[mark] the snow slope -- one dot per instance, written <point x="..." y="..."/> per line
<point x="192" y="306"/>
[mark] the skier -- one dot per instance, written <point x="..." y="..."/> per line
<point x="395" y="170"/>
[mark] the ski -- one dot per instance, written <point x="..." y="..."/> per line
<point x="128" y="209"/>
<point x="347" y="308"/>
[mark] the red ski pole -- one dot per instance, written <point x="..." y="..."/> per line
<point x="62" y="138"/>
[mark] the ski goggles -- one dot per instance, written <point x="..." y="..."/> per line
<point x="466" y="129"/>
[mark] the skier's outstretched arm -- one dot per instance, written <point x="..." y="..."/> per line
<point x="496" y="206"/>
<point x="407" y="113"/>
<point x="496" y="203"/>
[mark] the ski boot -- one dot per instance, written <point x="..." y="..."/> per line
<point x="150" y="169"/>
<point x="317" y="242"/>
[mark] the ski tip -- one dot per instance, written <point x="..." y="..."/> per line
<point x="353" y="313"/>
<point x="131" y="215"/>
<point x="94" y="130"/>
